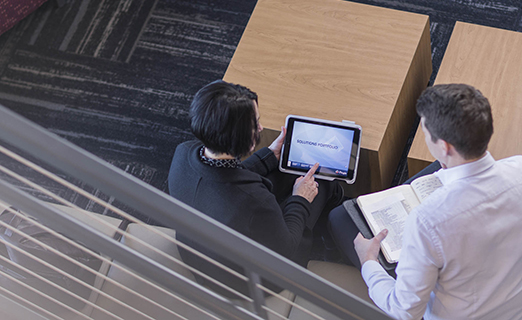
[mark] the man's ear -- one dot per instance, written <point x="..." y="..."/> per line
<point x="445" y="147"/>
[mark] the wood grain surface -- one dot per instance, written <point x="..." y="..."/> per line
<point x="337" y="60"/>
<point x="488" y="59"/>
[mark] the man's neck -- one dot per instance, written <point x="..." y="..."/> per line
<point x="458" y="160"/>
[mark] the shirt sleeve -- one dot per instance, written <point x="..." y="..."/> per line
<point x="417" y="272"/>
<point x="261" y="162"/>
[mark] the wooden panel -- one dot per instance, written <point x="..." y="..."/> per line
<point x="337" y="60"/>
<point x="488" y="59"/>
<point x="404" y="113"/>
<point x="416" y="165"/>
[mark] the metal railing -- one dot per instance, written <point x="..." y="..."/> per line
<point x="116" y="254"/>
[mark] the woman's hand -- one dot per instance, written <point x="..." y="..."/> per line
<point x="306" y="186"/>
<point x="278" y="143"/>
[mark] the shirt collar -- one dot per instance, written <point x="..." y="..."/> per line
<point x="219" y="163"/>
<point x="449" y="175"/>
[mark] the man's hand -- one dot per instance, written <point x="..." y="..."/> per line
<point x="278" y="143"/>
<point x="368" y="249"/>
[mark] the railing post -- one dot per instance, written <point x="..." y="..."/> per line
<point x="256" y="293"/>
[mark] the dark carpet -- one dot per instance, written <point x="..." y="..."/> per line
<point x="116" y="77"/>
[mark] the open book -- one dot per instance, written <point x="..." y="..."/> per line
<point x="389" y="209"/>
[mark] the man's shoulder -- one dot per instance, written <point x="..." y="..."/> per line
<point x="508" y="174"/>
<point x="444" y="204"/>
<point x="470" y="194"/>
<point x="514" y="161"/>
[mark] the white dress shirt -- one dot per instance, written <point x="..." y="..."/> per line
<point x="462" y="248"/>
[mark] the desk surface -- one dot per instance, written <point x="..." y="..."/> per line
<point x="488" y="59"/>
<point x="334" y="60"/>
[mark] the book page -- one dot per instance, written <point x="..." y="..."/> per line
<point x="390" y="213"/>
<point x="425" y="185"/>
<point x="406" y="191"/>
<point x="389" y="209"/>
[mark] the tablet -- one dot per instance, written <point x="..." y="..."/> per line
<point x="335" y="145"/>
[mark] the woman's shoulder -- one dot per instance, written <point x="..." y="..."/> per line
<point x="187" y="146"/>
<point x="184" y="161"/>
<point x="186" y="151"/>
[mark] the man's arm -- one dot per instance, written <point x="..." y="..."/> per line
<point x="417" y="271"/>
<point x="368" y="249"/>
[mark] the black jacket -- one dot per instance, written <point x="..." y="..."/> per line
<point x="240" y="199"/>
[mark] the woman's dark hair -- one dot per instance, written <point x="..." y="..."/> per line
<point x="223" y="117"/>
<point x="458" y="114"/>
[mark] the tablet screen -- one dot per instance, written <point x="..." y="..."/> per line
<point x="333" y="145"/>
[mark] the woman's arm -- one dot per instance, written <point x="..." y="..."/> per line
<point x="265" y="160"/>
<point x="280" y="229"/>
<point x="262" y="162"/>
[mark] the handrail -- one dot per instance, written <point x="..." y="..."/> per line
<point x="92" y="238"/>
<point x="77" y="162"/>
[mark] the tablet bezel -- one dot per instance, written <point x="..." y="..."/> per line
<point x="354" y="158"/>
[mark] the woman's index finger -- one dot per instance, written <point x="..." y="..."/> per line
<point x="312" y="170"/>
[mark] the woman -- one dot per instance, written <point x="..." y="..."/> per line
<point x="250" y="196"/>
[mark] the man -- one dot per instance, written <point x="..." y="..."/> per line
<point x="461" y="256"/>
